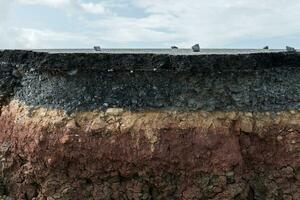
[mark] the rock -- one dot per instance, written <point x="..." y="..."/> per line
<point x="97" y="48"/>
<point x="288" y="171"/>
<point x="290" y="49"/>
<point x="72" y="72"/>
<point x="230" y="177"/>
<point x="65" y="139"/>
<point x="196" y="48"/>
<point x="174" y="47"/>
<point x="279" y="138"/>
<point x="114" y="111"/>
<point x="71" y="125"/>
<point x="266" y="47"/>
<point x="97" y="125"/>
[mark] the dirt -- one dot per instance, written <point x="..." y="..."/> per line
<point x="117" y="154"/>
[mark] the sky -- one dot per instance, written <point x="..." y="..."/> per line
<point x="34" y="24"/>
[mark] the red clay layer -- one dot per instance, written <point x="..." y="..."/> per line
<point x="219" y="162"/>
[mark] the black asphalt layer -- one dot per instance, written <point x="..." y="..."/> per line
<point x="170" y="51"/>
<point x="242" y="82"/>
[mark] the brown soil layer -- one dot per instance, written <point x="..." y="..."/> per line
<point x="155" y="154"/>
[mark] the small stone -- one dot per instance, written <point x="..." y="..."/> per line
<point x="248" y="114"/>
<point x="230" y="177"/>
<point x="105" y="104"/>
<point x="49" y="160"/>
<point x="16" y="73"/>
<point x="57" y="196"/>
<point x="289" y="172"/>
<point x="72" y="72"/>
<point x="65" y="139"/>
<point x="66" y="190"/>
<point x="71" y="125"/>
<point x="246" y="125"/>
<point x="196" y="48"/>
<point x="97" y="48"/>
<point x="290" y="49"/>
<point x="114" y="111"/>
<point x="97" y="125"/>
<point x="293" y="112"/>
<point x="39" y="138"/>
<point x="279" y="138"/>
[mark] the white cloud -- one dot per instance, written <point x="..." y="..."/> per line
<point x="88" y="7"/>
<point x="53" y="3"/>
<point x="218" y="22"/>
<point x="93" y="8"/>
<point x="214" y="23"/>
<point x="4" y="9"/>
<point x="126" y="30"/>
<point x="32" y="38"/>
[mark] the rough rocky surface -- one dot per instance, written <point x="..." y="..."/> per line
<point x="248" y="82"/>
<point x="260" y="90"/>
<point x="107" y="126"/>
<point x="9" y="81"/>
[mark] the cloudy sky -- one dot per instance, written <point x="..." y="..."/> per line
<point x="149" y="23"/>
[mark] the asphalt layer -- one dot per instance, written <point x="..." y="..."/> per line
<point x="247" y="82"/>
<point x="169" y="51"/>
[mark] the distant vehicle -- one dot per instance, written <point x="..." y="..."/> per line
<point x="196" y="48"/>
<point x="290" y="49"/>
<point x="266" y="47"/>
<point x="174" y="47"/>
<point x="97" y="48"/>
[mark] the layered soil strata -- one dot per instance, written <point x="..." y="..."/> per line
<point x="81" y="126"/>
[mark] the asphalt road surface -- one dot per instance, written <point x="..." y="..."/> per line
<point x="162" y="51"/>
